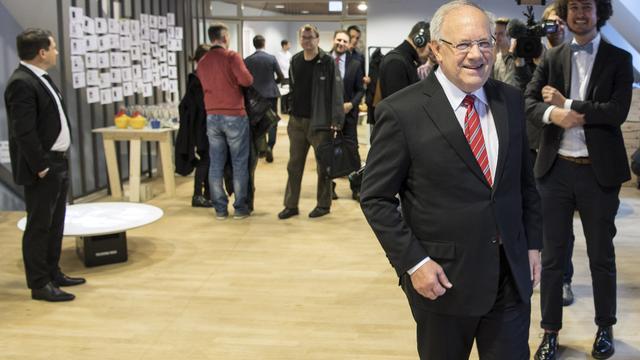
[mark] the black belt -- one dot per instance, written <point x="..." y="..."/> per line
<point x="576" y="160"/>
<point x="61" y="155"/>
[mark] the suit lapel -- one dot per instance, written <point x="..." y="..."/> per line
<point x="598" y="63"/>
<point x="438" y="109"/>
<point x="566" y="69"/>
<point x="498" y="108"/>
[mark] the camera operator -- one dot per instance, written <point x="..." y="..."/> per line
<point x="504" y="67"/>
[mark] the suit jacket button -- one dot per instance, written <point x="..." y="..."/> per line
<point x="494" y="240"/>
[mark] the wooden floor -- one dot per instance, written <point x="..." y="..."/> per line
<point x="262" y="288"/>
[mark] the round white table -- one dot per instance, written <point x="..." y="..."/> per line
<point x="101" y="228"/>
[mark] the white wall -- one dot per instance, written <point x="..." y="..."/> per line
<point x="273" y="32"/>
<point x="326" y="30"/>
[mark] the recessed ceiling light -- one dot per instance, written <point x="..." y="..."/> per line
<point x="335" y="6"/>
<point x="279" y="6"/>
<point x="362" y="7"/>
<point x="305" y="12"/>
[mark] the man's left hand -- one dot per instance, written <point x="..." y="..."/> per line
<point x="552" y="96"/>
<point x="535" y="266"/>
<point x="347" y="107"/>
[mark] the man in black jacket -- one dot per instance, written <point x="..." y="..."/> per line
<point x="316" y="108"/>
<point x="39" y="140"/>
<point x="399" y="67"/>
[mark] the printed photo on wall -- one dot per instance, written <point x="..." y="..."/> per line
<point x="78" y="47"/>
<point x="76" y="13"/>
<point x="114" y="27"/>
<point x="127" y="89"/>
<point x="78" y="80"/>
<point x="101" y="26"/>
<point x="76" y="29"/>
<point x="105" y="96"/>
<point x="171" y="19"/>
<point x="89" y="25"/>
<point x="93" y="95"/>
<point x="92" y="43"/>
<point x="93" y="78"/>
<point x="91" y="60"/>
<point x="77" y="64"/>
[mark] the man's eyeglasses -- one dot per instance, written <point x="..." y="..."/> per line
<point x="308" y="38"/>
<point x="484" y="45"/>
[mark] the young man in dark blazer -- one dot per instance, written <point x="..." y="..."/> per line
<point x="581" y="93"/>
<point x="351" y="72"/>
<point x="466" y="245"/>
<point x="39" y="140"/>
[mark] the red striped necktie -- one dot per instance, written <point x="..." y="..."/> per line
<point x="473" y="133"/>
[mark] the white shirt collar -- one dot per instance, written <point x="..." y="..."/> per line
<point x="595" y="42"/>
<point x="454" y="94"/>
<point x="36" y="70"/>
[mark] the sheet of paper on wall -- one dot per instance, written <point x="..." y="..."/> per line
<point x="163" y="55"/>
<point x="125" y="43"/>
<point x="115" y="59"/>
<point x="104" y="42"/>
<point x="171" y="32"/>
<point x="137" y="72"/>
<point x="76" y="29"/>
<point x="127" y="88"/>
<point x="76" y="13"/>
<point x="164" y="70"/>
<point x="155" y="66"/>
<point x="174" y="45"/>
<point x="145" y="46"/>
<point x="116" y="76"/>
<point x="171" y="58"/>
<point x="127" y="74"/>
<point x="125" y="27"/>
<point x="144" y="20"/>
<point x="179" y="34"/>
<point x="162" y="38"/>
<point x="78" y="46"/>
<point x="138" y="86"/>
<point x="114" y="26"/>
<point x="173" y="86"/>
<point x="171" y="19"/>
<point x="166" y="84"/>
<point x="93" y="78"/>
<point x="103" y="60"/>
<point x="135" y="39"/>
<point x="134" y="26"/>
<point x="91" y="61"/>
<point x="155" y="50"/>
<point x="92" y="43"/>
<point x="93" y="95"/>
<point x="136" y="54"/>
<point x="157" y="81"/>
<point x="147" y="75"/>
<point x="153" y="35"/>
<point x="144" y="33"/>
<point x="173" y="72"/>
<point x="79" y="80"/>
<point x="162" y="22"/>
<point x="116" y="94"/>
<point x="105" y="96"/>
<point x="105" y="80"/>
<point x="153" y="21"/>
<point x="89" y="25"/>
<point x="101" y="26"/>
<point x="146" y="61"/>
<point x="114" y="41"/>
<point x="125" y="59"/>
<point x="77" y="64"/>
<point x="147" y="90"/>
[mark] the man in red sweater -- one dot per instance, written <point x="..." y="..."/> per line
<point x="222" y="72"/>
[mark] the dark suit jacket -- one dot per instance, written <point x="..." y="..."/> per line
<point x="192" y="134"/>
<point x="449" y="211"/>
<point x="262" y="66"/>
<point x="398" y="69"/>
<point x="34" y="124"/>
<point x="353" y="86"/>
<point x="608" y="98"/>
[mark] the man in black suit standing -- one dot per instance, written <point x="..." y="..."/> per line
<point x="581" y="93"/>
<point x="39" y="141"/>
<point x="263" y="67"/>
<point x="466" y="245"/>
<point x="351" y="72"/>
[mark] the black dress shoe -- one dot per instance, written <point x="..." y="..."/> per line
<point x="201" y="201"/>
<point x="548" y="347"/>
<point x="50" y="292"/>
<point x="567" y="294"/>
<point x="603" y="347"/>
<point x="269" y="155"/>
<point x="287" y="213"/>
<point x="334" y="196"/>
<point x="318" y="211"/>
<point x="64" y="280"/>
<point x="355" y="195"/>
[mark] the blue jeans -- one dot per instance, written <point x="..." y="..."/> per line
<point x="228" y="134"/>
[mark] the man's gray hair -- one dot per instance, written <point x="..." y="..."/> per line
<point x="441" y="13"/>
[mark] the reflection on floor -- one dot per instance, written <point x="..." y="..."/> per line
<point x="262" y="288"/>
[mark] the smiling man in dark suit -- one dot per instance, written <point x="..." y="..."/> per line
<point x="581" y="93"/>
<point x="39" y="141"/>
<point x="466" y="245"/>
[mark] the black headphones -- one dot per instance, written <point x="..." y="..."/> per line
<point x="420" y="39"/>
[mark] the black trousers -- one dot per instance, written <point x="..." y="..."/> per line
<point x="42" y="239"/>
<point x="569" y="186"/>
<point x="201" y="180"/>
<point x="502" y="333"/>
<point x="350" y="130"/>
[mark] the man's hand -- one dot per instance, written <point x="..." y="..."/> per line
<point x="430" y="280"/>
<point x="566" y="118"/>
<point x="43" y="173"/>
<point x="366" y="80"/>
<point x="535" y="266"/>
<point x="552" y="96"/>
<point x="347" y="107"/>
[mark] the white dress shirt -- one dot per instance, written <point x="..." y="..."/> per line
<point x="488" y="125"/>
<point x="284" y="60"/>
<point x="573" y="142"/>
<point x="63" y="141"/>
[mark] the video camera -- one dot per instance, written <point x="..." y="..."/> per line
<point x="528" y="36"/>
